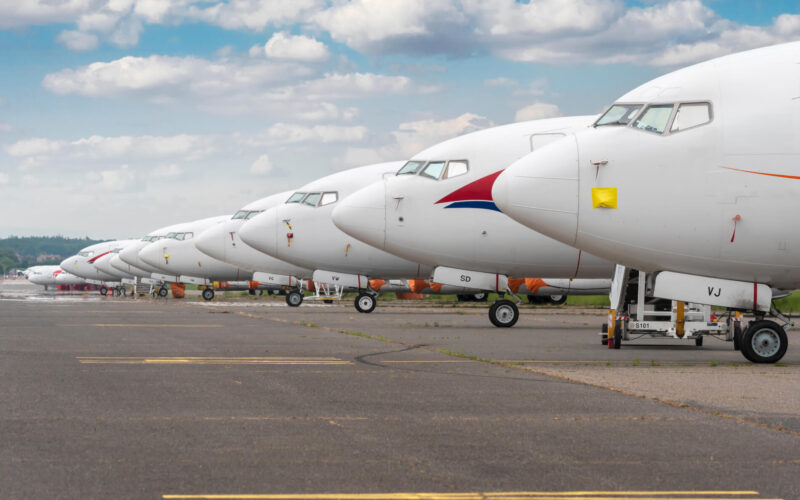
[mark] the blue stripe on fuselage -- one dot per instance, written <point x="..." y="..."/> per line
<point x="487" y="205"/>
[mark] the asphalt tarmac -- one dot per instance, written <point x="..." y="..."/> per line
<point x="123" y="398"/>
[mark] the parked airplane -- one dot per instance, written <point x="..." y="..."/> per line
<point x="129" y="256"/>
<point x="103" y="263"/>
<point x="51" y="275"/>
<point x="222" y="242"/>
<point x="180" y="261"/>
<point x="688" y="177"/>
<point x="300" y="231"/>
<point x="82" y="265"/>
<point x="438" y="210"/>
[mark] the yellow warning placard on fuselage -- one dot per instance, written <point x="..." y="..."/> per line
<point x="604" y="198"/>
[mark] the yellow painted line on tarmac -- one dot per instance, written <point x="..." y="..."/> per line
<point x="511" y="495"/>
<point x="210" y="360"/>
<point x="143" y="325"/>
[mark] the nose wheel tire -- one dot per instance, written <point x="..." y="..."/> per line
<point x="162" y="292"/>
<point x="103" y="290"/>
<point x="294" y="299"/>
<point x="208" y="294"/>
<point x="557" y="300"/>
<point x="503" y="313"/>
<point x="365" y="303"/>
<point x="764" y="341"/>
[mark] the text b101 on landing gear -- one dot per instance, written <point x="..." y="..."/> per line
<point x="650" y="305"/>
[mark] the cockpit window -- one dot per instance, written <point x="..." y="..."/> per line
<point x="171" y="236"/>
<point x="86" y="253"/>
<point x="655" y="118"/>
<point x="188" y="236"/>
<point x="411" y="167"/>
<point x="312" y="199"/>
<point x="456" y="168"/>
<point x="253" y="213"/>
<point x="241" y="214"/>
<point x="328" y="198"/>
<point x="433" y="169"/>
<point x="618" y="114"/>
<point x="180" y="236"/>
<point x="690" y="115"/>
<point x="295" y="198"/>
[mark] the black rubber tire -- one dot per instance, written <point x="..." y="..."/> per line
<point x="116" y="292"/>
<point x="698" y="341"/>
<point x="208" y="294"/>
<point x="604" y="338"/>
<point x="365" y="303"/>
<point x="464" y="298"/>
<point x="737" y="336"/>
<point x="503" y="313"/>
<point x="766" y="334"/>
<point x="617" y="334"/>
<point x="560" y="299"/>
<point x="163" y="291"/>
<point x="294" y="299"/>
<point x="480" y="297"/>
<point x="103" y="291"/>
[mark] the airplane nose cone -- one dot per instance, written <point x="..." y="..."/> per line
<point x="540" y="190"/>
<point x="153" y="254"/>
<point x="117" y="264"/>
<point x="67" y="264"/>
<point x="362" y="215"/>
<point x="260" y="232"/>
<point x="211" y="242"/>
<point x="129" y="254"/>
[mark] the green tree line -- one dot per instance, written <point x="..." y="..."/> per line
<point x="21" y="252"/>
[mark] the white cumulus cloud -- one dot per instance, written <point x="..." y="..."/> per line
<point x="78" y="40"/>
<point x="262" y="166"/>
<point x="537" y="111"/>
<point x="296" y="48"/>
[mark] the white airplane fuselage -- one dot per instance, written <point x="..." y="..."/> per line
<point x="223" y="242"/>
<point x="82" y="264"/>
<point x="177" y="258"/>
<point x="303" y="233"/>
<point x="702" y="178"/>
<point x="442" y="214"/>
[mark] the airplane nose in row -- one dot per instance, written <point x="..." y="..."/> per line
<point x="153" y="255"/>
<point x="129" y="254"/>
<point x="362" y="215"/>
<point x="540" y="190"/>
<point x="211" y="242"/>
<point x="261" y="232"/>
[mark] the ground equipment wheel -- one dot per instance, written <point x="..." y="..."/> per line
<point x="698" y="341"/>
<point x="557" y="300"/>
<point x="764" y="341"/>
<point x="163" y="291"/>
<point x="294" y="299"/>
<point x="365" y="303"/>
<point x="327" y="301"/>
<point x="208" y="294"/>
<point x="503" y="313"/>
<point x="617" y="334"/>
<point x="604" y="338"/>
<point x="103" y="290"/>
<point x="480" y="297"/>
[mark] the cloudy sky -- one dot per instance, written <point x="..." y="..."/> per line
<point x="121" y="116"/>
